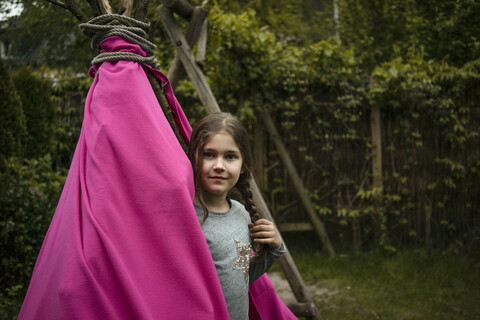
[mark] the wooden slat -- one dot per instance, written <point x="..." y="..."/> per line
<point x="295" y="226"/>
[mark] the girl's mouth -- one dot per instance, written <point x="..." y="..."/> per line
<point x="217" y="178"/>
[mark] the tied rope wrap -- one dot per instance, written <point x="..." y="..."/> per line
<point x="108" y="25"/>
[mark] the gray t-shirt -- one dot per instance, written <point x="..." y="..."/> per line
<point x="228" y="238"/>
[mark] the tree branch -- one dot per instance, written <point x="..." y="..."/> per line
<point x="76" y="10"/>
<point x="71" y="6"/>
<point x="95" y="7"/>
<point x="141" y="10"/>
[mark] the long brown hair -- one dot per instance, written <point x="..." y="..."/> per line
<point x="202" y="132"/>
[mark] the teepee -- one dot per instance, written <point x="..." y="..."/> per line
<point x="112" y="249"/>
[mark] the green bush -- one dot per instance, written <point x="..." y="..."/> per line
<point x="12" y="122"/>
<point x="28" y="196"/>
<point x="36" y="96"/>
<point x="69" y="94"/>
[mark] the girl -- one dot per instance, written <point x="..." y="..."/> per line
<point x="222" y="161"/>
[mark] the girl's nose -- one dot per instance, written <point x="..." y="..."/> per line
<point x="218" y="165"/>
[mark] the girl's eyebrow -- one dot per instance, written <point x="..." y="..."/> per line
<point x="228" y="151"/>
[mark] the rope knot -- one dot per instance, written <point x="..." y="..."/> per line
<point x="108" y="25"/>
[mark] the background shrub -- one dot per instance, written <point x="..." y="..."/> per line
<point x="36" y="96"/>
<point x="28" y="196"/>
<point x="12" y="122"/>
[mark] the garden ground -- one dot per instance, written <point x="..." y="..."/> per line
<point x="406" y="285"/>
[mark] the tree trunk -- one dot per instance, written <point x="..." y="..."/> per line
<point x="336" y="19"/>
<point x="376" y="132"/>
<point x="428" y="233"/>
<point x="375" y="124"/>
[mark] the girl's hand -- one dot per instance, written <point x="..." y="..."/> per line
<point x="264" y="231"/>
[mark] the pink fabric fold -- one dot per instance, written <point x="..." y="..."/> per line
<point x="265" y="304"/>
<point x="125" y="242"/>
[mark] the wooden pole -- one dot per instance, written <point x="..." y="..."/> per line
<point x="286" y="263"/>
<point x="181" y="7"/>
<point x="258" y="154"/>
<point x="297" y="182"/>
<point x="141" y="9"/>
<point x="105" y="6"/>
<point x="128" y="6"/>
<point x="202" y="44"/>
<point x="186" y="57"/>
<point x="198" y="19"/>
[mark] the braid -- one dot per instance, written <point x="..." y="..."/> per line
<point x="243" y="187"/>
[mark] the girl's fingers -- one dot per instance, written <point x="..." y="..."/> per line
<point x="261" y="225"/>
<point x="262" y="228"/>
<point x="263" y="231"/>
<point x="263" y="221"/>
<point x="263" y="234"/>
<point x="262" y="240"/>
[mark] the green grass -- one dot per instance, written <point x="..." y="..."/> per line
<point x="407" y="285"/>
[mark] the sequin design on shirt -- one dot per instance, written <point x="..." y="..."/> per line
<point x="244" y="254"/>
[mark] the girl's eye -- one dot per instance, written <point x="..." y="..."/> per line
<point x="230" y="156"/>
<point x="207" y="155"/>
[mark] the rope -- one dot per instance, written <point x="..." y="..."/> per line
<point x="108" y="25"/>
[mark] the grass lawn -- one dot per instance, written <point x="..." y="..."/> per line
<point x="406" y="285"/>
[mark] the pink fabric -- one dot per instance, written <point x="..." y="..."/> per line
<point x="266" y="301"/>
<point x="125" y="242"/>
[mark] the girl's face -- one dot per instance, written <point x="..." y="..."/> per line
<point x="221" y="166"/>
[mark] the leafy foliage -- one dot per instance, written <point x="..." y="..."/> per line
<point x="49" y="34"/>
<point x="12" y="120"/>
<point x="291" y="20"/>
<point x="69" y="93"/>
<point x="36" y="96"/>
<point x="377" y="28"/>
<point x="28" y="197"/>
<point x="415" y="61"/>
<point x="321" y="94"/>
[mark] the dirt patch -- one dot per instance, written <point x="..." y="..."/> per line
<point x="285" y="292"/>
